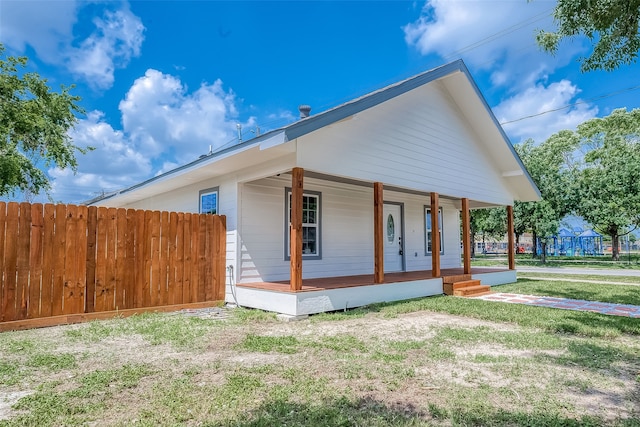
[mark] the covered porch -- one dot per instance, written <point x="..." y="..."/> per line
<point x="325" y="289"/>
<point x="295" y="234"/>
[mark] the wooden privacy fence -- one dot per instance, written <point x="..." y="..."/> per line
<point x="66" y="259"/>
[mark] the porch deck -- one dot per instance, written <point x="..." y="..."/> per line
<point x="339" y="293"/>
<point x="325" y="283"/>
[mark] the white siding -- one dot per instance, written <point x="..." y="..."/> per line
<point x="261" y="238"/>
<point x="347" y="231"/>
<point x="418" y="140"/>
<point x="414" y="226"/>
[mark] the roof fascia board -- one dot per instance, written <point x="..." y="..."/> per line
<point x="202" y="161"/>
<point x="505" y="138"/>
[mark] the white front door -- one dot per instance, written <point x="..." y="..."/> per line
<point x="393" y="244"/>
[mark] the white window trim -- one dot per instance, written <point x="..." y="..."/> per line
<point x="208" y="191"/>
<point x="287" y="222"/>
<point x="427" y="229"/>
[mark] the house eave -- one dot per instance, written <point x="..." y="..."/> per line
<point x="281" y="141"/>
<point x="195" y="171"/>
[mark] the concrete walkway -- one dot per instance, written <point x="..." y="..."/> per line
<point x="564" y="279"/>
<point x="610" y="309"/>
<point x="578" y="270"/>
<point x="522" y="274"/>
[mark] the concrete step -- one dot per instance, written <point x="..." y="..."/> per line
<point x="472" y="291"/>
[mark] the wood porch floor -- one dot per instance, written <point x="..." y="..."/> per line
<point x="325" y="283"/>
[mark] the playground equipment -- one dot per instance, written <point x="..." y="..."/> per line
<point x="574" y="243"/>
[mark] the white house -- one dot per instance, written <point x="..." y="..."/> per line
<point x="362" y="180"/>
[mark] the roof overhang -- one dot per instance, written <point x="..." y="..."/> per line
<point x="505" y="159"/>
<point x="255" y="151"/>
<point x="454" y="76"/>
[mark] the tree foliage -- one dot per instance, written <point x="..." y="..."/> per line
<point x="34" y="125"/>
<point x="602" y="186"/>
<point x="609" y="180"/>
<point x="610" y="25"/>
<point x="552" y="167"/>
<point x="490" y="223"/>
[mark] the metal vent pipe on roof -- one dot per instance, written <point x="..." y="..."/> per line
<point x="305" y="111"/>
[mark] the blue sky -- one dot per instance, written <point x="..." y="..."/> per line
<point x="161" y="81"/>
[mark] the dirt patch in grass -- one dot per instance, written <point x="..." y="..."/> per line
<point x="405" y="370"/>
<point x="8" y="399"/>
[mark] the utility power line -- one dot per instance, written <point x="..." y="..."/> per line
<point x="595" y="98"/>
<point x="501" y="33"/>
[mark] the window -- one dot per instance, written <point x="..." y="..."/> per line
<point x="209" y="201"/>
<point x="310" y="224"/>
<point x="427" y="227"/>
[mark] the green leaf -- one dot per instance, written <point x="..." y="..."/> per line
<point x="34" y="127"/>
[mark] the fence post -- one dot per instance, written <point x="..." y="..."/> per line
<point x="48" y="260"/>
<point x="3" y="218"/>
<point x="11" y="259"/>
<point x="35" y="260"/>
<point x="90" y="293"/>
<point x="221" y="258"/>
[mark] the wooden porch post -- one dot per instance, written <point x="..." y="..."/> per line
<point x="511" y="238"/>
<point x="466" y="236"/>
<point x="295" y="230"/>
<point x="435" y="236"/>
<point x="378" y="243"/>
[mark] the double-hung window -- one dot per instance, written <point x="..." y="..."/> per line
<point x="311" y="201"/>
<point x="428" y="231"/>
<point x="209" y="201"/>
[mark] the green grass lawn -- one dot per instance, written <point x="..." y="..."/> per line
<point x="436" y="361"/>
<point x="548" y="319"/>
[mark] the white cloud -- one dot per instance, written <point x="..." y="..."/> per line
<point x="51" y="28"/>
<point x="161" y="116"/>
<point x="37" y="24"/>
<point x="498" y="37"/>
<point x="492" y="35"/>
<point x="164" y="125"/>
<point x="540" y="99"/>
<point x="118" y="38"/>
<point x="115" y="163"/>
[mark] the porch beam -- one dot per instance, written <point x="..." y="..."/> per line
<point x="466" y="236"/>
<point x="435" y="236"/>
<point x="295" y="230"/>
<point x="511" y="238"/>
<point x="378" y="243"/>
